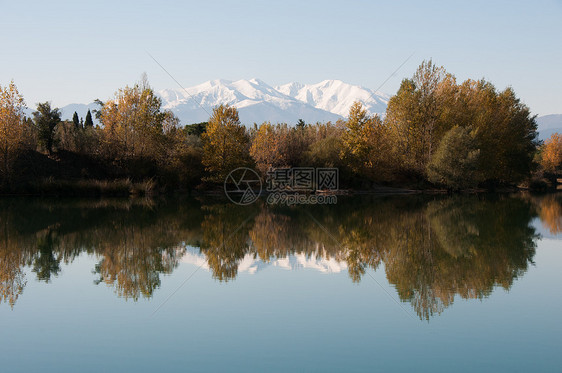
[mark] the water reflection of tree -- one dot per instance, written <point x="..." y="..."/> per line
<point x="47" y="263"/>
<point x="12" y="277"/>
<point x="136" y="241"/>
<point x="433" y="249"/>
<point x="225" y="237"/>
<point x="550" y="212"/>
<point x="13" y="258"/>
<point x="139" y="246"/>
<point x="458" y="247"/>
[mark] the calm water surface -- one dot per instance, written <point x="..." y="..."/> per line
<point x="400" y="283"/>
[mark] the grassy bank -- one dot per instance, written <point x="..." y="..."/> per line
<point x="84" y="188"/>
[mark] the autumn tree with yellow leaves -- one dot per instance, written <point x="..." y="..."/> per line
<point x="364" y="143"/>
<point x="551" y="159"/>
<point x="225" y="143"/>
<point x="431" y="103"/>
<point x="13" y="128"/>
<point x="133" y="123"/>
<point x="413" y="116"/>
<point x="271" y="146"/>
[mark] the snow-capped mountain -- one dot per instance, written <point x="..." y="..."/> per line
<point x="336" y="96"/>
<point x="257" y="101"/>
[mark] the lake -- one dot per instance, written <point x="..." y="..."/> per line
<point x="396" y="283"/>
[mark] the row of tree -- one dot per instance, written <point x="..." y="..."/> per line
<point x="435" y="132"/>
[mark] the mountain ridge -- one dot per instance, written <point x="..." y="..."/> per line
<point x="336" y="96"/>
<point x="258" y="101"/>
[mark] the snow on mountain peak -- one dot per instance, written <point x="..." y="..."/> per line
<point x="251" y="265"/>
<point x="257" y="101"/>
<point x="336" y="96"/>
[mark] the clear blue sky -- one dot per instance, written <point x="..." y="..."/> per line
<point x="70" y="52"/>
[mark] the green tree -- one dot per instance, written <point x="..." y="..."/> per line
<point x="431" y="103"/>
<point x="75" y="120"/>
<point x="46" y="119"/>
<point x="455" y="163"/>
<point x="195" y="129"/>
<point x="46" y="264"/>
<point x="505" y="129"/>
<point x="325" y="153"/>
<point x="225" y="143"/>
<point x="88" y="122"/>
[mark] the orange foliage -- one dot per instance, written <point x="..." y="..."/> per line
<point x="552" y="153"/>
<point x="550" y="212"/>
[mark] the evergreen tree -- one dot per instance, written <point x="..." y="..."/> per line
<point x="196" y="129"/>
<point x="89" y="122"/>
<point x="75" y="120"/>
<point x="46" y="119"/>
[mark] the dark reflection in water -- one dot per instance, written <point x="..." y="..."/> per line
<point x="433" y="248"/>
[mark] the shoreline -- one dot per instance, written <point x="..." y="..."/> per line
<point x="125" y="188"/>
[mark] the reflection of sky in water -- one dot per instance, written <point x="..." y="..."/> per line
<point x="279" y="320"/>
<point x="297" y="312"/>
<point x="316" y="261"/>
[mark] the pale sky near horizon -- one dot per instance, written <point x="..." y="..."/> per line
<point x="75" y="52"/>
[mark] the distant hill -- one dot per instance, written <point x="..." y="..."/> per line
<point x="549" y="124"/>
<point x="81" y="109"/>
<point x="68" y="111"/>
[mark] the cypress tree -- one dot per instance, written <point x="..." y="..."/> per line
<point x="89" y="122"/>
<point x="75" y="120"/>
